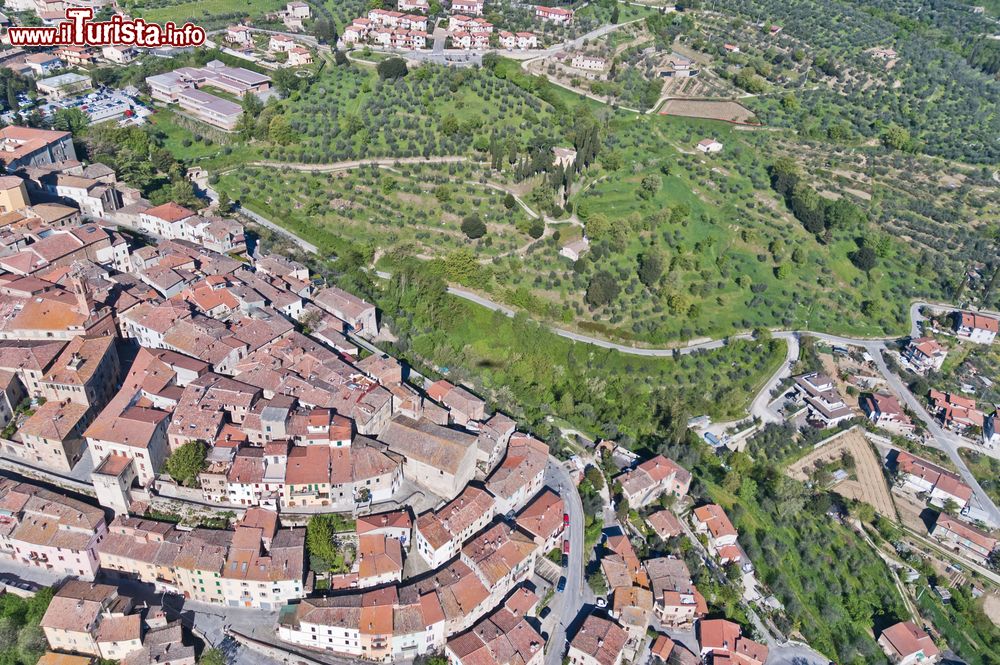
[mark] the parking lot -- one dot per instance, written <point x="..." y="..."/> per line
<point x="100" y="105"/>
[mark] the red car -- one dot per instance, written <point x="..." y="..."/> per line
<point x="565" y="519"/>
<point x="565" y="547"/>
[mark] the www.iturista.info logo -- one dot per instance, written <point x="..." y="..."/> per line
<point x="80" y="30"/>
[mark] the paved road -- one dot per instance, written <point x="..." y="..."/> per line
<point x="566" y="605"/>
<point x="946" y="441"/>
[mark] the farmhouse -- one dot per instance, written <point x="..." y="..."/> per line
<point x="679" y="67"/>
<point x="709" y="145"/>
<point x="559" y="15"/>
<point x="574" y="250"/>
<point x="588" y="62"/>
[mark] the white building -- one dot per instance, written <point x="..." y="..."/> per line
<point x="709" y="145"/>
<point x="976" y="327"/>
<point x="589" y="62"/>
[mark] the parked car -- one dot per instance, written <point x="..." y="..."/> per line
<point x="601" y="602"/>
<point x="561" y="586"/>
<point x="566" y="547"/>
<point x="565" y="519"/>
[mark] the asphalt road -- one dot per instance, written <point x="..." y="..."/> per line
<point x="567" y="604"/>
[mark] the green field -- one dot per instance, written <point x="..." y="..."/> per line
<point x="417" y="207"/>
<point x="986" y="470"/>
<point x="733" y="255"/>
<point x="207" y="13"/>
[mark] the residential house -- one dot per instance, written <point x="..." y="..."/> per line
<point x="280" y="44"/>
<point x="676" y="600"/>
<point x="964" y="539"/>
<point x="86" y="372"/>
<point x="52" y="531"/>
<point x="599" y="641"/>
<point x="121" y="55"/>
<point x="505" y="637"/>
<point x="464" y="406"/>
<point x="439" y="535"/>
<point x="653" y="478"/>
<point x="956" y="412"/>
<point x="544" y="520"/>
<point x="470" y="7"/>
<point x="42" y="64"/>
<point x="976" y="328"/>
<point x="665" y="524"/>
<point x="723" y="641"/>
<point x="925" y="354"/>
<point x="822" y="399"/>
<point x="359" y="315"/>
<point x="502" y="556"/>
<point x="905" y="643"/>
<point x="711" y="520"/>
<point x="886" y="412"/>
<point x="53" y="435"/>
<point x="521" y="474"/>
<point x="299" y="57"/>
<point x="82" y="612"/>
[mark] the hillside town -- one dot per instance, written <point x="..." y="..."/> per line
<point x="218" y="446"/>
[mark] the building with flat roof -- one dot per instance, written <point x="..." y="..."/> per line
<point x="63" y="85"/>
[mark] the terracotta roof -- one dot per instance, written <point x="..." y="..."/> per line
<point x="170" y="212"/>
<point x="601" y="639"/>
<point x="543" y="516"/>
<point x="907" y="639"/>
<point x="714" y="517"/>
